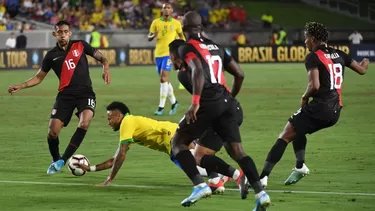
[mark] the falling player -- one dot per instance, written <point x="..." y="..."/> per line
<point x="69" y="62"/>
<point x="165" y="30"/>
<point x="325" y="71"/>
<point x="212" y="106"/>
<point x="153" y="134"/>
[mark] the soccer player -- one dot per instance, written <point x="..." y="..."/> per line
<point x="69" y="62"/>
<point x="165" y="30"/>
<point x="153" y="134"/>
<point x="325" y="71"/>
<point x="212" y="106"/>
<point x="205" y="145"/>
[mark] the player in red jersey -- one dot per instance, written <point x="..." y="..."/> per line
<point x="325" y="72"/>
<point x="212" y="106"/>
<point x="69" y="62"/>
<point x="205" y="145"/>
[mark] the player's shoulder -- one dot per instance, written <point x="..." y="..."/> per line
<point x="312" y="56"/>
<point x="175" y="21"/>
<point x="52" y="52"/>
<point x="79" y="41"/>
<point x="338" y="51"/>
<point x="155" y="21"/>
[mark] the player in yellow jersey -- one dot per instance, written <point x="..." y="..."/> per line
<point x="165" y="29"/>
<point x="153" y="134"/>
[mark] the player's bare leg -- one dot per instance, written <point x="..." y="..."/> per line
<point x="180" y="149"/>
<point x="166" y="90"/>
<point x="54" y="129"/>
<point x="85" y="118"/>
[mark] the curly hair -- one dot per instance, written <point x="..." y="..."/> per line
<point x="317" y="30"/>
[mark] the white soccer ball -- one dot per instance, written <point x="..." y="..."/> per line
<point x="77" y="159"/>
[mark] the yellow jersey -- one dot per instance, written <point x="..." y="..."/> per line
<point x="167" y="32"/>
<point x="153" y="134"/>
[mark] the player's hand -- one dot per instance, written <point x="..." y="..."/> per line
<point x="191" y="113"/>
<point x="107" y="77"/>
<point x="83" y="166"/>
<point x="104" y="184"/>
<point x="304" y="101"/>
<point x="14" y="88"/>
<point x="364" y="63"/>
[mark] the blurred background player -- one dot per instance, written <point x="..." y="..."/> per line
<point x="165" y="29"/>
<point x="325" y="72"/>
<point x="212" y="106"/>
<point x="153" y="134"/>
<point x="69" y="62"/>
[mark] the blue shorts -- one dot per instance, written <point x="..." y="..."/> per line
<point x="163" y="63"/>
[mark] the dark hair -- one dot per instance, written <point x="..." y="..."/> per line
<point x="174" y="45"/>
<point x="61" y="23"/>
<point x="317" y="30"/>
<point x="116" y="105"/>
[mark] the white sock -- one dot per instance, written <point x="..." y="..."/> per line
<point x="171" y="96"/>
<point x="202" y="171"/>
<point x="236" y="175"/>
<point x="163" y="94"/>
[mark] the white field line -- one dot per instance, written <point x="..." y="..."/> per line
<point x="160" y="187"/>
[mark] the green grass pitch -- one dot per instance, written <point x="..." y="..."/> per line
<point x="341" y="159"/>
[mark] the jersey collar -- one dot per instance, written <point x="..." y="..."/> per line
<point x="320" y="47"/>
<point x="69" y="44"/>
<point x="169" y="20"/>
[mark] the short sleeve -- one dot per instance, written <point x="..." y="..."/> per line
<point x="227" y="59"/>
<point x="47" y="63"/>
<point x="127" y="129"/>
<point x="153" y="27"/>
<point x="187" y="53"/>
<point x="89" y="50"/>
<point x="311" y="61"/>
<point x="347" y="59"/>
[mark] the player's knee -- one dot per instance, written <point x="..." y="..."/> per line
<point x="236" y="151"/>
<point x="163" y="79"/>
<point x="84" y="124"/>
<point x="52" y="134"/>
<point x="288" y="134"/>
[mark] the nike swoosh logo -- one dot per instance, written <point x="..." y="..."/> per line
<point x="57" y="58"/>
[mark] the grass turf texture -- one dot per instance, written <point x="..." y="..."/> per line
<point x="340" y="158"/>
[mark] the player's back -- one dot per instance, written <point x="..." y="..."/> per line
<point x="331" y="64"/>
<point x="212" y="57"/>
<point x="150" y="132"/>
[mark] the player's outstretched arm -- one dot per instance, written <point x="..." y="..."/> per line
<point x="360" y="68"/>
<point x="101" y="58"/>
<point x="118" y="160"/>
<point x="312" y="85"/>
<point x="100" y="167"/>
<point x="35" y="80"/>
<point x="235" y="70"/>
